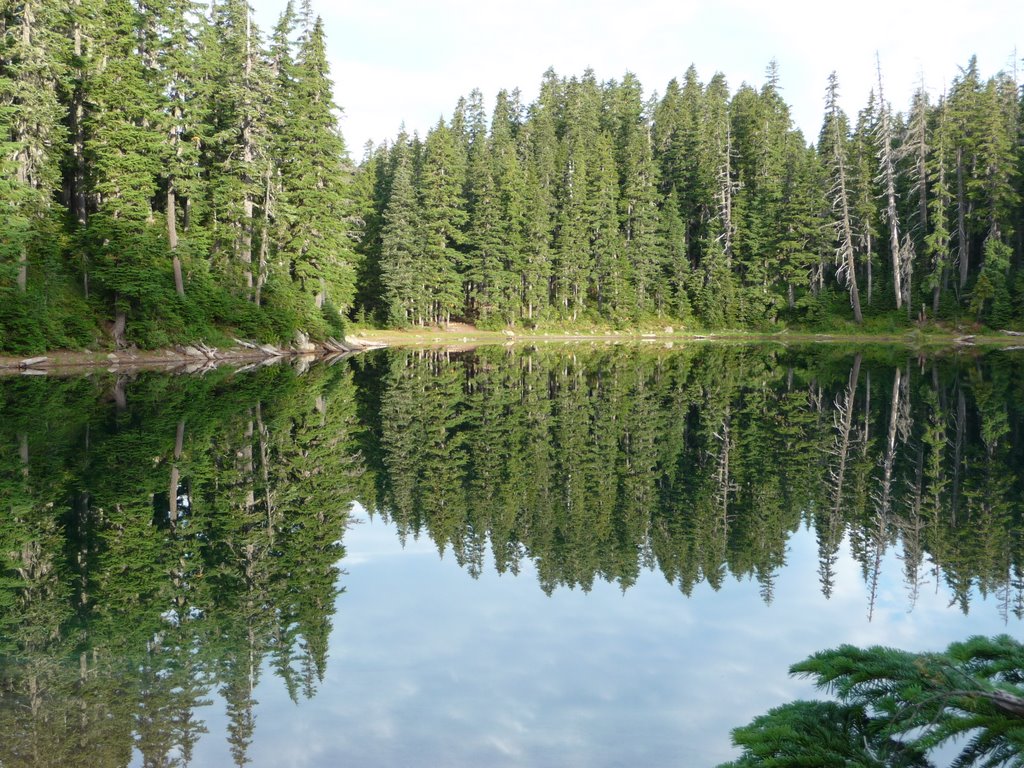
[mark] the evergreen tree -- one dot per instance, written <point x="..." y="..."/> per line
<point x="400" y="248"/>
<point x="313" y="176"/>
<point x="236" y="140"/>
<point x="32" y="56"/>
<point x="124" y="149"/>
<point x="442" y="219"/>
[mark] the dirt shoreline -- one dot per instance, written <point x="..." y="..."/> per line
<point x="462" y="337"/>
<point x="181" y="358"/>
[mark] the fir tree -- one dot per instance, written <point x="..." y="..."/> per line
<point x="313" y="173"/>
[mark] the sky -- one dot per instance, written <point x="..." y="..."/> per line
<point x="396" y="61"/>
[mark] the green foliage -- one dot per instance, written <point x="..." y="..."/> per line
<point x="162" y="606"/>
<point x="895" y="707"/>
<point x="203" y="171"/>
<point x="157" y="145"/>
<point x="819" y="733"/>
<point x="594" y="203"/>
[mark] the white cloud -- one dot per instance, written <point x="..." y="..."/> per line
<point x="396" y="60"/>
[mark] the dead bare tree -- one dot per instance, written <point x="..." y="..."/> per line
<point x="845" y="258"/>
<point x="887" y="176"/>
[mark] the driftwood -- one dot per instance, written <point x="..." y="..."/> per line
<point x="28" y="363"/>
<point x="1012" y="333"/>
<point x="335" y="346"/>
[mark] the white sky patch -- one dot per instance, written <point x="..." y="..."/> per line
<point x="396" y="60"/>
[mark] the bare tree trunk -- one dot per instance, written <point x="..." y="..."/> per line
<point x="120" y="322"/>
<point x="172" y="238"/>
<point x="261" y="272"/>
<point x="118" y="393"/>
<point x="867" y="257"/>
<point x="963" y="246"/>
<point x="77" y="114"/>
<point x="23" y="134"/>
<point x="248" y="466"/>
<point x="264" y="439"/>
<point x="722" y="473"/>
<point x="844" y="426"/>
<point x="849" y="266"/>
<point x="958" y="450"/>
<point x="884" y="503"/>
<point x="831" y="535"/>
<point x="847" y="272"/>
<point x="248" y="157"/>
<point x="888" y="176"/>
<point x="23" y="270"/>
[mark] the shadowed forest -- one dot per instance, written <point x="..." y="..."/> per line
<point x="171" y="173"/>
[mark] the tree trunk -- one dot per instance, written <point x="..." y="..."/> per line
<point x="172" y="237"/>
<point x="963" y="246"/>
<point x="867" y="258"/>
<point x="958" y="451"/>
<point x="248" y="157"/>
<point x="120" y="321"/>
<point x="79" y="207"/>
<point x="844" y="427"/>
<point x="889" y="176"/>
<point x="846" y="228"/>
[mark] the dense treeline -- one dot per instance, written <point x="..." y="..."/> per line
<point x="701" y="206"/>
<point x="165" y="171"/>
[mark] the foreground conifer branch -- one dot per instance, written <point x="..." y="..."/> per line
<point x="895" y="707"/>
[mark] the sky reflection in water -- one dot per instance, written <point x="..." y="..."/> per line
<point x="429" y="667"/>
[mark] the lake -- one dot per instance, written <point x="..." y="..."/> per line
<point x="569" y="555"/>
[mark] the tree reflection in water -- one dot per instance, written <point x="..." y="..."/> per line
<point x="167" y="539"/>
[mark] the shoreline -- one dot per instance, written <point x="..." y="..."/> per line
<point x="180" y="359"/>
<point x="470" y="336"/>
<point x="195" y="358"/>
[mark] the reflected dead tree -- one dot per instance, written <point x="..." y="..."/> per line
<point x="960" y="422"/>
<point x="899" y="428"/>
<point x="831" y="534"/>
<point x="264" y="448"/>
<point x="911" y="529"/>
<point x="723" y="478"/>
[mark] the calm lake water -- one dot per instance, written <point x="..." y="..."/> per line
<point x="564" y="556"/>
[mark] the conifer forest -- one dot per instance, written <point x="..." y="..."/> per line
<point x="170" y="172"/>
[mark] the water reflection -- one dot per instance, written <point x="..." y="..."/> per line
<point x="165" y="541"/>
<point x="597" y="463"/>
